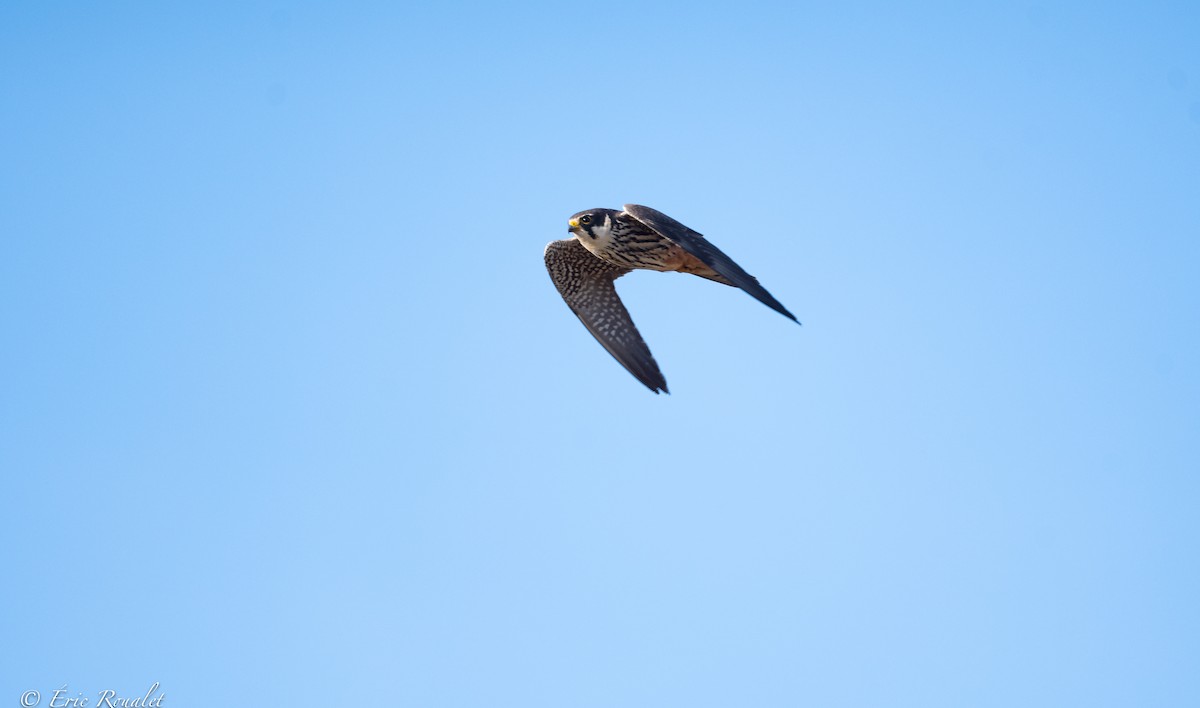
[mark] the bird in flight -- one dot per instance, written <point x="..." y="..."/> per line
<point x="606" y="244"/>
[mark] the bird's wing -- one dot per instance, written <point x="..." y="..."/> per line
<point x="586" y="284"/>
<point x="695" y="244"/>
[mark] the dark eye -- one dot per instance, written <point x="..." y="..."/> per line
<point x="585" y="219"/>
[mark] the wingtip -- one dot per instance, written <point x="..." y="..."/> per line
<point x="657" y="387"/>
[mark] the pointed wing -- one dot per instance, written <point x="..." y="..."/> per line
<point x="586" y="284"/>
<point x="695" y="244"/>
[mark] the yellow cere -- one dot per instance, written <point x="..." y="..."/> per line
<point x="573" y="223"/>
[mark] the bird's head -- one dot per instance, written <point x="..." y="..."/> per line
<point x="593" y="223"/>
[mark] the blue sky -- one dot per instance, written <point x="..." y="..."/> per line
<point x="292" y="415"/>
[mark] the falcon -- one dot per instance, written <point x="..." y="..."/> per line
<point x="607" y="244"/>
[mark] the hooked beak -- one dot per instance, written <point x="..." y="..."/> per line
<point x="573" y="223"/>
